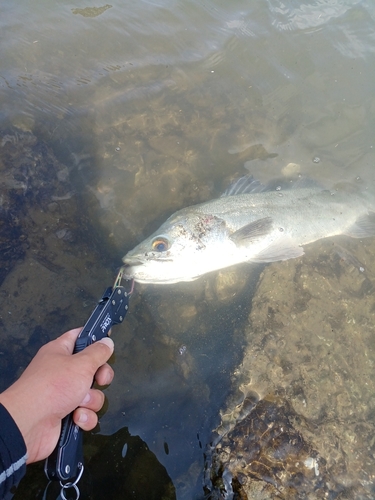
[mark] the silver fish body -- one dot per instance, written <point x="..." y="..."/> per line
<point x="265" y="226"/>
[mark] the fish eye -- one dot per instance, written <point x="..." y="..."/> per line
<point x="160" y="244"/>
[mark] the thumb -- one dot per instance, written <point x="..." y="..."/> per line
<point x="109" y="343"/>
<point x="97" y="354"/>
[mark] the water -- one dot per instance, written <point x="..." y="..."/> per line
<point x="147" y="107"/>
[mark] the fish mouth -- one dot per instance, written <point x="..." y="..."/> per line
<point x="129" y="262"/>
<point x="136" y="268"/>
<point x="135" y="271"/>
<point x="140" y="261"/>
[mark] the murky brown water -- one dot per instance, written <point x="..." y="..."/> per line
<point x="114" y="116"/>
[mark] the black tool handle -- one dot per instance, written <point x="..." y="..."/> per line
<point x="66" y="461"/>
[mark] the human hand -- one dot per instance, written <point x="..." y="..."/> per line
<point x="53" y="385"/>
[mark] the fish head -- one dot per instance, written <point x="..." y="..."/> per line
<point x="178" y="251"/>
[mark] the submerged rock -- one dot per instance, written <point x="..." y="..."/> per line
<point x="309" y="340"/>
<point x="265" y="456"/>
<point x="116" y="467"/>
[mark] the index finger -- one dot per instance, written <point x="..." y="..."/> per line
<point x="65" y="343"/>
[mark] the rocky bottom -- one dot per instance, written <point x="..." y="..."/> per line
<point x="300" y="421"/>
<point x="264" y="456"/>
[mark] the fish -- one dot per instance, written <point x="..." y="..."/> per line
<point x="250" y="222"/>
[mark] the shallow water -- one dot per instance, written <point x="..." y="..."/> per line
<point x="147" y="107"/>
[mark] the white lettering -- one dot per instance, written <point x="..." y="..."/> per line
<point x="106" y="322"/>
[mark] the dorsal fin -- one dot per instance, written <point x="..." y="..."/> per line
<point x="284" y="183"/>
<point x="247" y="184"/>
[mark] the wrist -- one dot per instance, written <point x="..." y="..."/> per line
<point x="26" y="415"/>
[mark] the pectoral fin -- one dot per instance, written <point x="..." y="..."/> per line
<point x="364" y="226"/>
<point x="252" y="232"/>
<point x="282" y="249"/>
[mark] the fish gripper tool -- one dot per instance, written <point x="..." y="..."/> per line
<point x="66" y="461"/>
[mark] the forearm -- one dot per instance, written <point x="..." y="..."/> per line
<point x="12" y="454"/>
